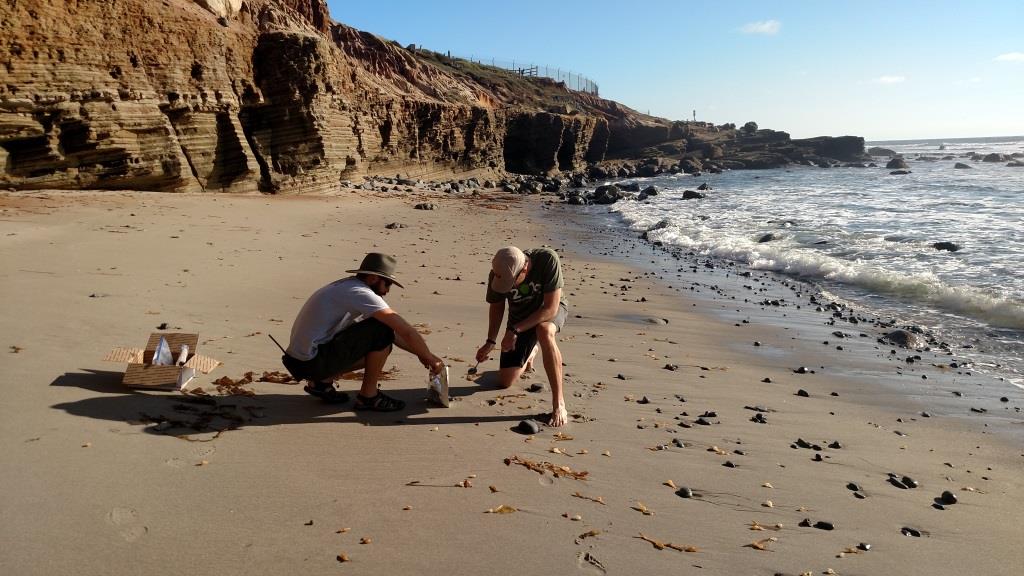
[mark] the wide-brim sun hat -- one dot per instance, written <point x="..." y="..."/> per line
<point x="378" y="264"/>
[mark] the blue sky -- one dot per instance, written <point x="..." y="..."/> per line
<point x="882" y="70"/>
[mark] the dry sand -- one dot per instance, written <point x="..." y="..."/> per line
<point x="93" y="483"/>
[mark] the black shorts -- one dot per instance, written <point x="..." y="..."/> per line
<point x="516" y="357"/>
<point x="343" y="352"/>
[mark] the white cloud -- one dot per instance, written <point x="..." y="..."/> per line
<point x="889" y="80"/>
<point x="764" y="28"/>
<point x="1010" y="57"/>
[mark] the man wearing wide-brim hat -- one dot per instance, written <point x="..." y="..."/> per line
<point x="347" y="326"/>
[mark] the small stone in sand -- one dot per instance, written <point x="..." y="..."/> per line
<point x="909" y="482"/>
<point x="908" y="531"/>
<point x="528" y="427"/>
<point x="948" y="498"/>
<point x="803" y="393"/>
<point x="801" y="370"/>
<point x="643" y="400"/>
<point x="853" y="487"/>
<point x="766" y="380"/>
<point x="864" y="546"/>
<point x="684" y="492"/>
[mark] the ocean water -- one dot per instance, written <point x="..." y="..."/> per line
<point x="865" y="236"/>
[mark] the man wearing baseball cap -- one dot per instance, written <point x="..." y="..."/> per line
<point x="347" y="326"/>
<point x="531" y="282"/>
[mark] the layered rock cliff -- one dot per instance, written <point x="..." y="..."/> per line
<point x="272" y="95"/>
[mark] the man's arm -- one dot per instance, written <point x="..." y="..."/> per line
<point x="408" y="339"/>
<point x="495" y="312"/>
<point x="546" y="313"/>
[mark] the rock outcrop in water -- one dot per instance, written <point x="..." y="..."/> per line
<point x="272" y="95"/>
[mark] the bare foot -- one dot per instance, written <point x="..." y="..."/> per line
<point x="559" y="417"/>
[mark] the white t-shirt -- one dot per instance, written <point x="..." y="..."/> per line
<point x="330" y="310"/>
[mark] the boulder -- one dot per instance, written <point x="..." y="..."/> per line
<point x="767" y="238"/>
<point x="704" y="186"/>
<point x="647" y="193"/>
<point x="629" y="186"/>
<point x="879" y="151"/>
<point x="994" y="158"/>
<point x="962" y="166"/>
<point x="904" y="339"/>
<point x="896" y="164"/>
<point x="693" y="195"/>
<point x="899" y="172"/>
<point x="608" y="194"/>
<point x="1015" y="164"/>
<point x="691" y="166"/>
<point x="947" y="246"/>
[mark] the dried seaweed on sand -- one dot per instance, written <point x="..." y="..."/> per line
<point x="662" y="545"/>
<point x="541" y="467"/>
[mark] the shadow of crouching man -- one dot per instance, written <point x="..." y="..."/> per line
<point x="171" y="413"/>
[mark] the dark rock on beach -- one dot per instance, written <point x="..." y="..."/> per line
<point x="904" y="339"/>
<point x="947" y="246"/>
<point x="693" y="195"/>
<point x="897" y="164"/>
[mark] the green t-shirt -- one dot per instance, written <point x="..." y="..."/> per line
<point x="545" y="276"/>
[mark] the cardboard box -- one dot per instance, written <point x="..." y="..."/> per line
<point x="142" y="373"/>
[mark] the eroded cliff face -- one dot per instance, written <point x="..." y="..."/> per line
<point x="273" y="96"/>
<point x="247" y="95"/>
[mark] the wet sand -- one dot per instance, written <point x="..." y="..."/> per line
<point x="98" y="479"/>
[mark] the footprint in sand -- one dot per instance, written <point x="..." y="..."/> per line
<point x="125" y="518"/>
<point x="588" y="564"/>
<point x="175" y="463"/>
<point x="204" y="451"/>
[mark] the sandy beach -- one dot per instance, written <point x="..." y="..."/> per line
<point x="664" y="386"/>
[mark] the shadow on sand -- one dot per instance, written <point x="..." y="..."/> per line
<point x="173" y="414"/>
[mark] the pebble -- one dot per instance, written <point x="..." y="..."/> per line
<point x="948" y="498"/>
<point x="852" y="486"/>
<point x="643" y="400"/>
<point x="684" y="492"/>
<point x="756" y="343"/>
<point x="801" y="370"/>
<point x="908" y="531"/>
<point x="535" y="388"/>
<point x="702" y="422"/>
<point x="859" y="496"/>
<point x="766" y="380"/>
<point x="678" y="443"/>
<point x="864" y="546"/>
<point x="729" y="464"/>
<point x="759" y="418"/>
<point x="822" y="525"/>
<point x="835" y="445"/>
<point x="528" y="427"/>
<point x="803" y="393"/>
<point x="817" y="457"/>
<point x="909" y="482"/>
<point x="895" y="482"/>
<point x="1004" y="399"/>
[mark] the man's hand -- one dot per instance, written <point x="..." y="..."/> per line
<point x="508" y="343"/>
<point x="433" y="363"/>
<point x="484" y="351"/>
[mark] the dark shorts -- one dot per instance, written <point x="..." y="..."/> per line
<point x="517" y="357"/>
<point x="342" y="353"/>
